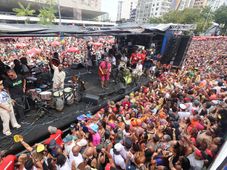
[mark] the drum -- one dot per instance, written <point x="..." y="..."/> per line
<point x="77" y="93"/>
<point x="43" y="87"/>
<point x="58" y="94"/>
<point x="68" y="94"/>
<point x="59" y="100"/>
<point x="34" y="94"/>
<point x="45" y="95"/>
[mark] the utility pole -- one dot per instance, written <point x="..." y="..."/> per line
<point x="59" y="12"/>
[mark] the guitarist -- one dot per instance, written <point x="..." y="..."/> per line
<point x="104" y="72"/>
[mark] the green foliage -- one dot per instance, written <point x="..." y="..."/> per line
<point x="220" y="16"/>
<point x="171" y="17"/>
<point x="155" y="20"/>
<point x="24" y="11"/>
<point x="202" y="18"/>
<point x="47" y="13"/>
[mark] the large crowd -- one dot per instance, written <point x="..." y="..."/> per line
<point x="177" y="122"/>
<point x="37" y="50"/>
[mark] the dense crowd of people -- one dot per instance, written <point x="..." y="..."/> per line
<point x="177" y="122"/>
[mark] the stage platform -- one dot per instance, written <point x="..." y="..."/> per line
<point x="35" y="128"/>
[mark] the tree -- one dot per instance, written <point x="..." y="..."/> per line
<point x="47" y="13"/>
<point x="24" y="11"/>
<point x="202" y="18"/>
<point x="155" y="20"/>
<point x="171" y="17"/>
<point x="220" y="16"/>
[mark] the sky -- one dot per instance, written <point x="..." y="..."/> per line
<point x="110" y="6"/>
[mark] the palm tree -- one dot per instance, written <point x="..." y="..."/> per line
<point x="47" y="15"/>
<point x="24" y="11"/>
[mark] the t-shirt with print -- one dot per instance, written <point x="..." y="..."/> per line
<point x="4" y="97"/>
<point x="15" y="87"/>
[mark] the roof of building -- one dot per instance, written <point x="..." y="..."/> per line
<point x="132" y="28"/>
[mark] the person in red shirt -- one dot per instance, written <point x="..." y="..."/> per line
<point x="55" y="134"/>
<point x="143" y="56"/>
<point x="134" y="58"/>
<point x="126" y="103"/>
<point x="104" y="72"/>
<point x="7" y="162"/>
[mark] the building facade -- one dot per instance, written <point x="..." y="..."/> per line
<point x="182" y="4"/>
<point x="215" y="4"/>
<point x="70" y="9"/>
<point x="125" y="9"/>
<point x="199" y="3"/>
<point x="152" y="8"/>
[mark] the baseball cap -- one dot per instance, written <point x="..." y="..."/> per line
<point x="69" y="138"/>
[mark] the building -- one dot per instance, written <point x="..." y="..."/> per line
<point x="152" y="8"/>
<point x="215" y="4"/>
<point x="199" y="3"/>
<point x="105" y="17"/>
<point x="133" y="15"/>
<point x="70" y="9"/>
<point x="182" y="4"/>
<point x="125" y="8"/>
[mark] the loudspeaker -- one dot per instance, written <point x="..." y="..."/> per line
<point x="74" y="66"/>
<point x="171" y="50"/>
<point x="121" y="88"/>
<point x="91" y="98"/>
<point x="182" y="50"/>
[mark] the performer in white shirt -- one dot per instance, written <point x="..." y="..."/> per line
<point x="58" y="78"/>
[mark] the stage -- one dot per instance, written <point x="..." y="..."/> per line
<point x="35" y="128"/>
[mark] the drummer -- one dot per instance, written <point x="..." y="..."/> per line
<point x="58" y="77"/>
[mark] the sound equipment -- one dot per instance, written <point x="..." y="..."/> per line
<point x="182" y="50"/>
<point x="122" y="88"/>
<point x="90" y="98"/>
<point x="176" y="50"/>
<point x="171" y="50"/>
<point x="75" y="66"/>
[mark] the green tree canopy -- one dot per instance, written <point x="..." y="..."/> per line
<point x="24" y="11"/>
<point x="220" y="16"/>
<point x="47" y="13"/>
<point x="202" y="18"/>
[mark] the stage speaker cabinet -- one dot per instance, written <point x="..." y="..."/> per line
<point x="122" y="88"/>
<point x="75" y="66"/>
<point x="91" y="99"/>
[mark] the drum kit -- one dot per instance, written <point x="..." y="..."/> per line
<point x="53" y="99"/>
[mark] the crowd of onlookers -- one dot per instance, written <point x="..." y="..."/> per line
<point x="178" y="122"/>
<point x="36" y="50"/>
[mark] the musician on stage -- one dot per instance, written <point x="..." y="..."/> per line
<point x="58" y="77"/>
<point x="16" y="86"/>
<point x="104" y="72"/>
<point x="134" y="58"/>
